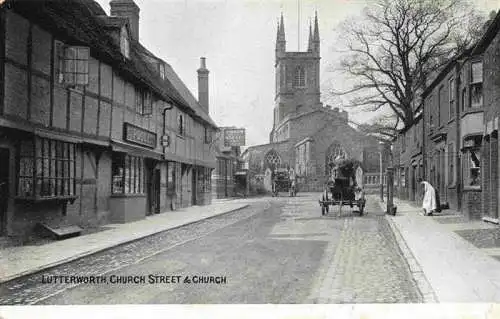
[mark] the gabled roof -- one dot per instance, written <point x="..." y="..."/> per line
<point x="112" y="22"/>
<point x="187" y="95"/>
<point x="81" y="22"/>
<point x="445" y="70"/>
<point x="174" y="81"/>
<point x="488" y="36"/>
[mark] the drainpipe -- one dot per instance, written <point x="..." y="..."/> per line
<point x="164" y="114"/>
<point x="458" y="166"/>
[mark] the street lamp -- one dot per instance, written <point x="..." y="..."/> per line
<point x="390" y="183"/>
<point x="381" y="148"/>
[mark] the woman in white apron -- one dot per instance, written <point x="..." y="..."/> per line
<point x="429" y="202"/>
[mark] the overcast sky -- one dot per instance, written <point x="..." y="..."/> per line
<point x="238" y="39"/>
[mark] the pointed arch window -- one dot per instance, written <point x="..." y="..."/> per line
<point x="299" y="79"/>
<point x="272" y="159"/>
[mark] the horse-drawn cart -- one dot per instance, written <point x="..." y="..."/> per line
<point x="283" y="182"/>
<point x="344" y="187"/>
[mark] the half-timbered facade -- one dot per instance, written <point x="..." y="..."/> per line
<point x="91" y="129"/>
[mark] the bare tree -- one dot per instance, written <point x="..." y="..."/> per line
<point x="395" y="45"/>
<point x="384" y="127"/>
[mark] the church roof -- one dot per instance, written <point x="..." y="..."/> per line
<point x="262" y="149"/>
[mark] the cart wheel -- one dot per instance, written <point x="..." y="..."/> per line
<point x="361" y="209"/>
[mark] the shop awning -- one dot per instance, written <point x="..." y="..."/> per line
<point x="121" y="147"/>
<point x="57" y="136"/>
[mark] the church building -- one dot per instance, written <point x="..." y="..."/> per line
<point x="306" y="135"/>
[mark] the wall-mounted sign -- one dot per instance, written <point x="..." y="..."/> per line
<point x="138" y="135"/>
<point x="234" y="137"/>
<point x="165" y="140"/>
<point x="472" y="141"/>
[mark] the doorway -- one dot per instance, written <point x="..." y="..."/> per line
<point x="4" y="188"/>
<point x="155" y="192"/>
<point x="195" y="186"/>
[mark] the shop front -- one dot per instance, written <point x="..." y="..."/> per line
<point x="135" y="175"/>
<point x="472" y="175"/>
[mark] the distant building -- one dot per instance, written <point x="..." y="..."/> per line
<point x="229" y="179"/>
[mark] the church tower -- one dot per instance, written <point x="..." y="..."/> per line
<point x="297" y="77"/>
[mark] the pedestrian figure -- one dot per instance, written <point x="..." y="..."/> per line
<point x="429" y="204"/>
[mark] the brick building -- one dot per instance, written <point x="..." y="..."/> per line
<point x="306" y="135"/>
<point x="93" y="127"/>
<point x="408" y="160"/>
<point x="489" y="49"/>
<point x="229" y="178"/>
<point x="460" y="129"/>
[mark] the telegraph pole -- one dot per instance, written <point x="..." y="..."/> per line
<point x="298" y="25"/>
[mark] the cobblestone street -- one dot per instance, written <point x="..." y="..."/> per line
<point x="278" y="250"/>
<point x="367" y="266"/>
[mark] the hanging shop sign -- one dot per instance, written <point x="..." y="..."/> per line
<point x="234" y="137"/>
<point x="138" y="135"/>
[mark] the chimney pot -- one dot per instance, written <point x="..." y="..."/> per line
<point x="127" y="9"/>
<point x="203" y="96"/>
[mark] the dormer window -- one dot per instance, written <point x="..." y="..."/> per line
<point x="161" y="67"/>
<point x="124" y="43"/>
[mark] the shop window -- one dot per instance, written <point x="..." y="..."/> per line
<point x="143" y="102"/>
<point x="472" y="163"/>
<point x="71" y="64"/>
<point x="46" y="169"/>
<point x="472" y="171"/>
<point x="205" y="180"/>
<point x="171" y="178"/>
<point x="128" y="174"/>
<point x="476" y="86"/>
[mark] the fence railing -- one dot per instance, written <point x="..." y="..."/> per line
<point x="373" y="179"/>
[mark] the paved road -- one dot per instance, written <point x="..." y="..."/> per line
<point x="279" y="250"/>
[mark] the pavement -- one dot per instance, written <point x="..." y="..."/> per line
<point x="278" y="250"/>
<point x="365" y="265"/>
<point x="16" y="262"/>
<point x="450" y="257"/>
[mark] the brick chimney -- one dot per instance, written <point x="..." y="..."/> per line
<point x="203" y="84"/>
<point x="127" y="9"/>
